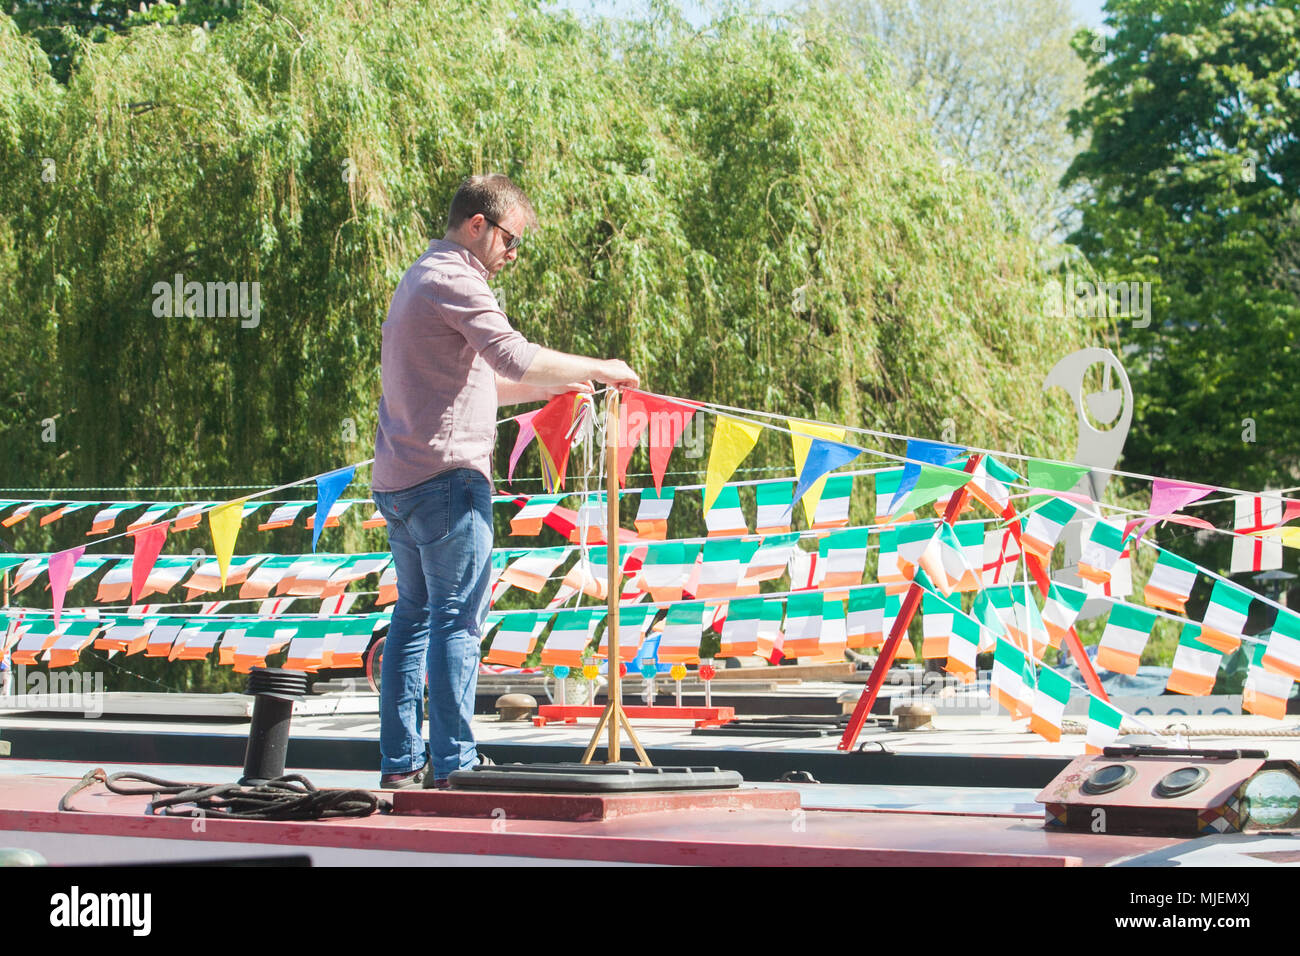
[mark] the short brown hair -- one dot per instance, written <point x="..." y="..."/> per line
<point x="493" y="195"/>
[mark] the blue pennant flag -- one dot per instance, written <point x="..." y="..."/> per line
<point x="823" y="457"/>
<point x="919" y="450"/>
<point x="328" y="489"/>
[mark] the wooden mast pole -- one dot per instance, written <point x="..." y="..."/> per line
<point x="613" y="714"/>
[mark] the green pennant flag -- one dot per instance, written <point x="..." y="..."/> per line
<point x="934" y="483"/>
<point x="1053" y="476"/>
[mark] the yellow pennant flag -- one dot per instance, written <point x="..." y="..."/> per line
<point x="802" y="434"/>
<point x="732" y="441"/>
<point x="224" y="523"/>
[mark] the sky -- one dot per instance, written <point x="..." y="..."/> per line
<point x="1087" y="11"/>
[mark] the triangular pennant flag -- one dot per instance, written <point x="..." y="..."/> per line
<point x="60" y="570"/>
<point x="801" y="438"/>
<point x="822" y="457"/>
<point x="148" y="545"/>
<point x="918" y="451"/>
<point x="553" y="424"/>
<point x="1053" y="476"/>
<point x="223" y="522"/>
<point x="526" y="435"/>
<point x="732" y="441"/>
<point x="931" y="484"/>
<point x="663" y="422"/>
<point x="1166" y="498"/>
<point x="328" y="488"/>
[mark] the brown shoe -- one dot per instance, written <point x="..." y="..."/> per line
<point x="404" y="781"/>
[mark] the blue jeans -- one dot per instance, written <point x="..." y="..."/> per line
<point x="440" y="533"/>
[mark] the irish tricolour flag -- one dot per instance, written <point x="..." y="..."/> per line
<point x="534" y="568"/>
<point x="1101" y="551"/>
<point x="1060" y="611"/>
<point x="1127" y="630"/>
<point x="1282" y="655"/>
<point x="803" y="624"/>
<point x="740" y="629"/>
<point x="683" y="627"/>
<point x="774" y="508"/>
<point x="1195" y="663"/>
<point x="1171" y="583"/>
<point x="726" y="516"/>
<point x="1043" y="528"/>
<point x="843" y="555"/>
<point x="1103" y="724"/>
<point x="833" y="508"/>
<point x="573" y="630"/>
<point x="1050" y="698"/>
<point x="963" y="645"/>
<point x="866" y="616"/>
<point x="989" y="486"/>
<point x="1265" y="693"/>
<point x="936" y="625"/>
<point x="668" y="566"/>
<point x="1012" y="679"/>
<point x="652" y="512"/>
<point x="1225" y="617"/>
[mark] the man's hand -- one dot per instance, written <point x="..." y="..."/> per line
<point x="617" y="373"/>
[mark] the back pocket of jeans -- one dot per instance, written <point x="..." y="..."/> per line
<point x="428" y="518"/>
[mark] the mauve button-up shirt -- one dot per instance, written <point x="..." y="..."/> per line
<point x="444" y="339"/>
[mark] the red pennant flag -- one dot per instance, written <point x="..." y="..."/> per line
<point x="148" y="545"/>
<point x="553" y="425"/>
<point x="666" y="420"/>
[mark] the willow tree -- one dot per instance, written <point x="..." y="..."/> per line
<point x="749" y="214"/>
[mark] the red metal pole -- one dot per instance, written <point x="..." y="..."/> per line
<point x="905" y="614"/>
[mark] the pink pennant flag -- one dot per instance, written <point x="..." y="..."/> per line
<point x="1166" y="498"/>
<point x="60" y="571"/>
<point x="526" y="435"/>
<point x="148" y="545"/>
<point x="1292" y="510"/>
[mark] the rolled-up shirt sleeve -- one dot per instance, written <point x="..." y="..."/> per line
<point x="471" y="309"/>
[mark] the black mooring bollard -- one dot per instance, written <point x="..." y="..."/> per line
<point x="268" y="736"/>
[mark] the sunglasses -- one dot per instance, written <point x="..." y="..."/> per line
<point x="512" y="241"/>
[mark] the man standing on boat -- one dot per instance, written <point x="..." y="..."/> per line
<point x="449" y="358"/>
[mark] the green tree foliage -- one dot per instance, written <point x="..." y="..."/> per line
<point x="745" y="218"/>
<point x="58" y="24"/>
<point x="995" y="80"/>
<point x="1193" y="114"/>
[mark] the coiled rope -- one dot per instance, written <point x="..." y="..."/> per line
<point x="1175" y="730"/>
<point x="291" y="797"/>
